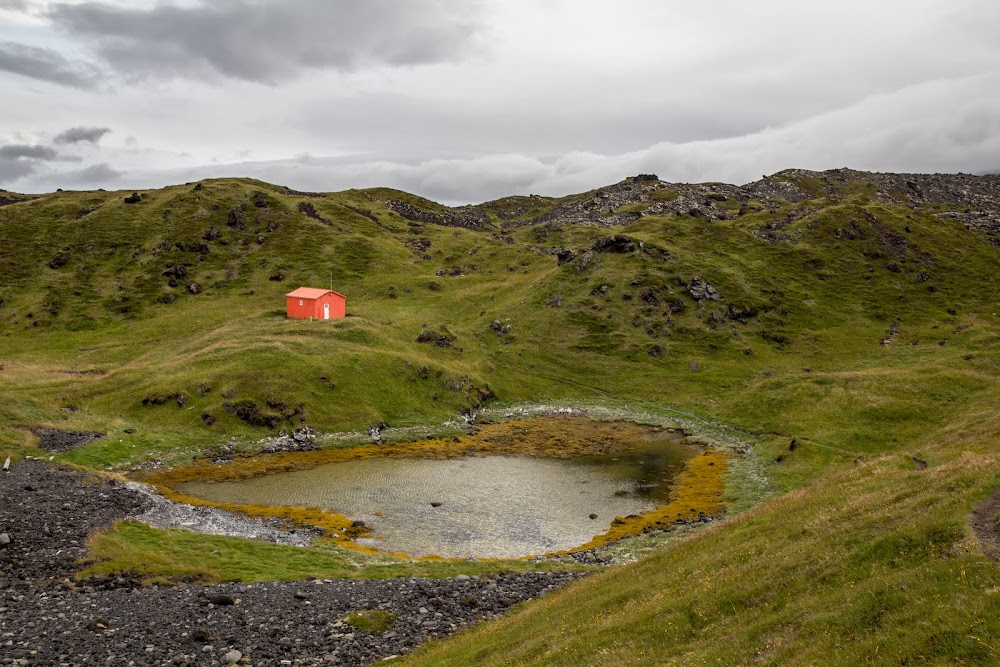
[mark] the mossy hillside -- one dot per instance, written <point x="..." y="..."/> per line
<point x="104" y="341"/>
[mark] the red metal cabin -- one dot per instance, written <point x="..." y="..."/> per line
<point x="313" y="303"/>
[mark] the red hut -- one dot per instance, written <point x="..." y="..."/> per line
<point x="310" y="302"/>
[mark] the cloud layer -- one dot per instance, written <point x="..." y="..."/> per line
<point x="75" y="135"/>
<point x="466" y="101"/>
<point x="45" y="64"/>
<point x="267" y="42"/>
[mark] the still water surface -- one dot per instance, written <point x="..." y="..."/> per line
<point x="491" y="506"/>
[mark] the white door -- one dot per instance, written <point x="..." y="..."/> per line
<point x="326" y="311"/>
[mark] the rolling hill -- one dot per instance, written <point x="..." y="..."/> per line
<point x="853" y="312"/>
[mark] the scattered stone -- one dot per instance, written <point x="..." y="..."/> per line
<point x="232" y="657"/>
<point x="432" y="336"/>
<point x="499" y="328"/>
<point x="892" y="335"/>
<point x="4" y="539"/>
<point x="436" y="504"/>
<point x="701" y="290"/>
<point x="202" y="635"/>
<point x="98" y="623"/>
<point x="583" y="261"/>
<point x="133" y="198"/>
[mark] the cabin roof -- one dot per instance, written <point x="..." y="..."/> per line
<point x="312" y="293"/>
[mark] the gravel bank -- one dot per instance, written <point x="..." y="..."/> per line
<point x="163" y="513"/>
<point x="47" y="618"/>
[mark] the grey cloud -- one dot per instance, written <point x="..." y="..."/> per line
<point x="20" y="160"/>
<point x="46" y="64"/>
<point x="914" y="129"/>
<point x="75" y="135"/>
<point x="14" y="151"/>
<point x="23" y="160"/>
<point x="95" y="173"/>
<point x="13" y="169"/>
<point x="266" y="42"/>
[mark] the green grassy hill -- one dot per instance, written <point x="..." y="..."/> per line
<point x="854" y="312"/>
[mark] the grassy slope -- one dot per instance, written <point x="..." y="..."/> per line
<point x="814" y="371"/>
<point x="873" y="564"/>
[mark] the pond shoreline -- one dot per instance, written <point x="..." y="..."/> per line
<point x="562" y="434"/>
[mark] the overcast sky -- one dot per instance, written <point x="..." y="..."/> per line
<point x="464" y="101"/>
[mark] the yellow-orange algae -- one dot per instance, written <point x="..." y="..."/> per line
<point x="697" y="491"/>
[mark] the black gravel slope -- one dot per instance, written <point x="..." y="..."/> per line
<point x="48" y="618"/>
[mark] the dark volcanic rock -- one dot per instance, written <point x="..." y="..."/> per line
<point x="236" y="218"/>
<point x="469" y="217"/>
<point x="307" y="209"/>
<point x="54" y="440"/>
<point x="431" y="336"/>
<point x="49" y="512"/>
<point x="253" y="414"/>
<point x="617" y="243"/>
<point x="564" y="255"/>
<point x="59" y="260"/>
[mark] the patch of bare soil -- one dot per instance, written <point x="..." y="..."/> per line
<point x="985" y="522"/>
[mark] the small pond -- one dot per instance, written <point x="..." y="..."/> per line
<point x="479" y="506"/>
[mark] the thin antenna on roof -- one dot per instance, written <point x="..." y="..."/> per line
<point x="331" y="280"/>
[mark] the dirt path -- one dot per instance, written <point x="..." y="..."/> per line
<point x="985" y="522"/>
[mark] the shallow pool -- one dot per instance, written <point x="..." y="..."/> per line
<point x="489" y="506"/>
